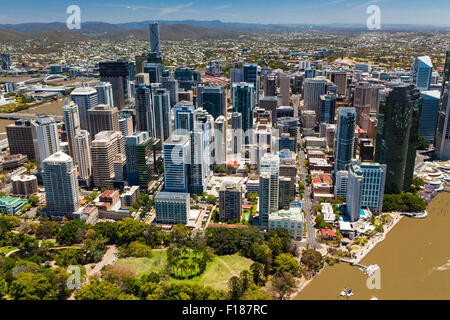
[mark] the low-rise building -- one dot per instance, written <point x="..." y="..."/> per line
<point x="172" y="208"/>
<point x="291" y="220"/>
<point x="24" y="185"/>
<point x="130" y="196"/>
<point x="11" y="205"/>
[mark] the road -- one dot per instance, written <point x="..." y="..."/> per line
<point x="307" y="203"/>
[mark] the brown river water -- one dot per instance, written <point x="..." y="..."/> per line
<point x="414" y="261"/>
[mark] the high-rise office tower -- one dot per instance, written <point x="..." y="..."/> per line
<point x="284" y="111"/>
<point x="268" y="187"/>
<point x="362" y="104"/>
<point x="143" y="102"/>
<point x="235" y="75"/>
<point x="339" y="78"/>
<point x="172" y="208"/>
<point x="86" y="98"/>
<point x="72" y="122"/>
<point x="397" y="135"/>
<point x="47" y="137"/>
<point x="313" y="88"/>
<point x="421" y="70"/>
<point x="104" y="148"/>
<point x="201" y="140"/>
<point x="269" y="103"/>
<point x="171" y="85"/>
<point x="120" y="168"/>
<point x="154" y="38"/>
<point x="443" y="126"/>
<point x="244" y="102"/>
<point x="161" y="114"/>
<point x="341" y="184"/>
<point x="154" y="71"/>
<point x="62" y="193"/>
<point x="116" y="73"/>
<point x="270" y="85"/>
<point x="220" y="140"/>
<point x="131" y="70"/>
<point x="284" y="193"/>
<point x="429" y="116"/>
<point x="353" y="199"/>
<point x="126" y="124"/>
<point x="250" y="75"/>
<point x="345" y="137"/>
<point x="213" y="100"/>
<point x="103" y="118"/>
<point x="6" y="61"/>
<point x="105" y="93"/>
<point x="230" y="201"/>
<point x="372" y="191"/>
<point x="236" y="132"/>
<point x="82" y="149"/>
<point x="140" y="159"/>
<point x="177" y="153"/>
<point x="22" y="138"/>
<point x="285" y="89"/>
<point x="183" y="117"/>
<point x="288" y="125"/>
<point x="327" y="108"/>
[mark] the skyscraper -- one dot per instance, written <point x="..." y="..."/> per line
<point x="250" y="75"/>
<point x="154" y="37"/>
<point x="117" y="73"/>
<point x="72" y="123"/>
<point x="443" y="126"/>
<point x="213" y="100"/>
<point x="103" y="118"/>
<point x="6" y="61"/>
<point x="85" y="98"/>
<point x="171" y="85"/>
<point x="327" y="108"/>
<point x="270" y="85"/>
<point x="339" y="78"/>
<point x="144" y="109"/>
<point x="47" y="137"/>
<point x="355" y="182"/>
<point x="362" y="104"/>
<point x="236" y="132"/>
<point x="220" y="140"/>
<point x="104" y="148"/>
<point x="105" y="93"/>
<point x="61" y="185"/>
<point x="230" y="201"/>
<point x="140" y="159"/>
<point x="268" y="187"/>
<point x="177" y="153"/>
<point x="313" y="88"/>
<point x="22" y="138"/>
<point x="183" y="117"/>
<point x="285" y="87"/>
<point x="161" y="114"/>
<point x="372" y="191"/>
<point x="397" y="134"/>
<point x="244" y="102"/>
<point x="345" y="137"/>
<point x="421" y="70"/>
<point x="82" y="149"/>
<point x="429" y="116"/>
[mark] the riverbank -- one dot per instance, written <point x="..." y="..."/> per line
<point x="413" y="259"/>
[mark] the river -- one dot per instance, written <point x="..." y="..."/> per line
<point x="414" y="260"/>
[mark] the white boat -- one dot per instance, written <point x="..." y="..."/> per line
<point x="374" y="298"/>
<point x="343" y="293"/>
<point x="350" y="293"/>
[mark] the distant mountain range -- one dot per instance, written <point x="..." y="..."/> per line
<point x="176" y="30"/>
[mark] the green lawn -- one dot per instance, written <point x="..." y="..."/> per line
<point x="5" y="250"/>
<point x="217" y="273"/>
<point x="142" y="265"/>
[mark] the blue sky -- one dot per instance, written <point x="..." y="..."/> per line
<point x="434" y="12"/>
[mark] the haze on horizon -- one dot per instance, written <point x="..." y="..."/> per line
<point x="418" y="12"/>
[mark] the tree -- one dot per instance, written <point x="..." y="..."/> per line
<point x="129" y="230"/>
<point x="255" y="293"/>
<point x="30" y="286"/>
<point x="235" y="288"/>
<point x="286" y="263"/>
<point x="33" y="200"/>
<point x="47" y="230"/>
<point x="96" y="290"/>
<point x="153" y="236"/>
<point x="283" y="284"/>
<point x="3" y="288"/>
<point x="67" y="257"/>
<point x="72" y="232"/>
<point x="257" y="270"/>
<point x="312" y="259"/>
<point x="423" y="144"/>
